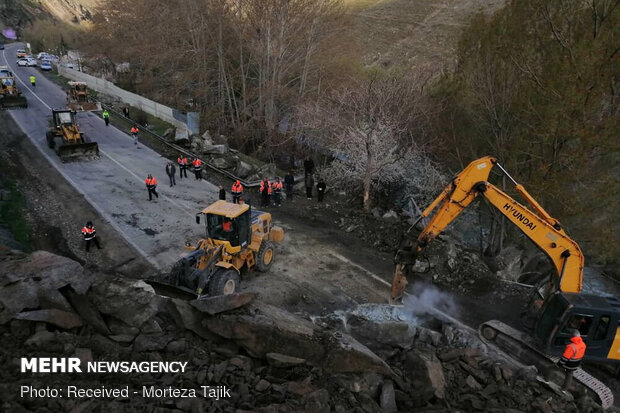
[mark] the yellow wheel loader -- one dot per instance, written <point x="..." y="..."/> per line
<point x="10" y="96"/>
<point x="237" y="238"/>
<point x="66" y="138"/>
<point x="77" y="98"/>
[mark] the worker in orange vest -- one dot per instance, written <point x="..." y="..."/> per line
<point x="182" y="161"/>
<point x="572" y="356"/>
<point x="227" y="225"/>
<point x="90" y="235"/>
<point x="277" y="191"/>
<point x="151" y="186"/>
<point x="237" y="191"/>
<point x="265" y="191"/>
<point x="197" y="168"/>
<point x="134" y="133"/>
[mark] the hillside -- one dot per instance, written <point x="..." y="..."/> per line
<point x="18" y="14"/>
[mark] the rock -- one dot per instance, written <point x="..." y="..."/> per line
<point x="300" y="388"/>
<point x="132" y="301"/>
<point x="40" y="338"/>
<point x="378" y="334"/>
<point x="122" y="338"/>
<point x="448" y="333"/>
<point x="84" y="354"/>
<point x="472" y="383"/>
<point x="268" y="170"/>
<point x="40" y="274"/>
<point x="176" y="346"/>
<point x="390" y="216"/>
<point x="62" y="319"/>
<point x="187" y="316"/>
<point x="528" y="372"/>
<point x="150" y="327"/>
<point x="428" y="370"/>
<point x="221" y="303"/>
<point x="347" y="355"/>
<point x="283" y="361"/>
<point x="151" y="342"/>
<point x="262" y="385"/>
<point x="509" y="261"/>
<point x="388" y="398"/>
<point x="450" y="355"/>
<point x="118" y="327"/>
<point x="87" y="311"/>
<point x="369" y="383"/>
<point x="21" y="329"/>
<point x="215" y="149"/>
<point x="206" y="138"/>
<point x="220" y="140"/>
<point x="318" y="402"/>
<point x="368" y="404"/>
<point x="220" y="163"/>
<point x="351" y="228"/>
<point x="241" y="362"/>
<point x="428" y="336"/>
<point x="169" y="133"/>
<point x="243" y="169"/>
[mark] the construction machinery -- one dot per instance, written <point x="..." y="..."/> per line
<point x="237" y="238"/>
<point x="66" y="138"/>
<point x="77" y="98"/>
<point x="10" y="95"/>
<point x="557" y="306"/>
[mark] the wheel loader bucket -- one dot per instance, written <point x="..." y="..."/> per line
<point x="75" y="151"/>
<point x="13" y="101"/>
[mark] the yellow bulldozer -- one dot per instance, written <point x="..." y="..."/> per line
<point x="238" y="238"/>
<point x="66" y="138"/>
<point x="10" y="95"/>
<point x="77" y="98"/>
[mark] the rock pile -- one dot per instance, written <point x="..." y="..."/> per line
<point x="218" y="154"/>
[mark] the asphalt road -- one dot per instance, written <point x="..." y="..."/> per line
<point x="114" y="183"/>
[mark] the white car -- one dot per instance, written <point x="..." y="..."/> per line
<point x="42" y="56"/>
<point x="30" y="62"/>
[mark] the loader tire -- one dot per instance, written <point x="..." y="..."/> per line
<point x="50" y="140"/>
<point x="264" y="258"/>
<point x="224" y="281"/>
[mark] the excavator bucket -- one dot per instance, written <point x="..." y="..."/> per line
<point x="13" y="101"/>
<point x="74" y="151"/>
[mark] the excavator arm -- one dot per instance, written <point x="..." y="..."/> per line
<point x="539" y="226"/>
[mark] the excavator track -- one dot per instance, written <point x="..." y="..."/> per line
<point x="523" y="347"/>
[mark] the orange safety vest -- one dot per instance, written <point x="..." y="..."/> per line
<point x="197" y="163"/>
<point x="182" y="161"/>
<point x="573" y="353"/>
<point x="134" y="129"/>
<point x="227" y="226"/>
<point x="277" y="186"/>
<point x="237" y="189"/>
<point x="150" y="182"/>
<point x="89" y="233"/>
<point x="262" y="187"/>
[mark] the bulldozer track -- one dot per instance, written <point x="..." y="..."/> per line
<point x="503" y="331"/>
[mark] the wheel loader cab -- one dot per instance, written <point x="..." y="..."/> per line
<point x="596" y="318"/>
<point x="63" y="118"/>
<point x="229" y="223"/>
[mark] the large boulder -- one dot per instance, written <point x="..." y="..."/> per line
<point x="243" y="169"/>
<point x="427" y="371"/>
<point x="214" y="149"/>
<point x="33" y="282"/>
<point x="132" y="301"/>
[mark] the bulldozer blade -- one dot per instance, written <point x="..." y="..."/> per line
<point x="221" y="303"/>
<point x="399" y="283"/>
<point x="85" y="106"/>
<point x="78" y="150"/>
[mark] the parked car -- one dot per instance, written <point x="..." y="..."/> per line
<point x="46" y="65"/>
<point x="42" y="56"/>
<point x="21" y="53"/>
<point x="1" y="46"/>
<point x="27" y="62"/>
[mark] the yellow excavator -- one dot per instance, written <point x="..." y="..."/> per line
<point x="10" y="95"/>
<point x="66" y="138"/>
<point x="557" y="306"/>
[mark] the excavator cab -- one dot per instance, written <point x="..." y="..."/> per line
<point x="596" y="318"/>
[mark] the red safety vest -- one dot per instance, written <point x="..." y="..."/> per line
<point x="262" y="187"/>
<point x="182" y="161"/>
<point x="197" y="163"/>
<point x="150" y="182"/>
<point x="237" y="189"/>
<point x="277" y="186"/>
<point x="89" y="233"/>
<point x="134" y="130"/>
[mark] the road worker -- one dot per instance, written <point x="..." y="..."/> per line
<point x="106" y="117"/>
<point x="289" y="184"/>
<point x="222" y="194"/>
<point x="33" y="81"/>
<point x="171" y="171"/>
<point x="134" y="133"/>
<point x="237" y="191"/>
<point x="227" y="225"/>
<point x="197" y="168"/>
<point x="151" y="186"/>
<point x="89" y="233"/>
<point x="277" y="191"/>
<point x="182" y="161"/>
<point x="571" y="358"/>
<point x="265" y="192"/>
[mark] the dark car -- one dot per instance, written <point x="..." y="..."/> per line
<point x="1" y="46"/>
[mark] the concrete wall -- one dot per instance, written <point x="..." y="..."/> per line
<point x="170" y="115"/>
